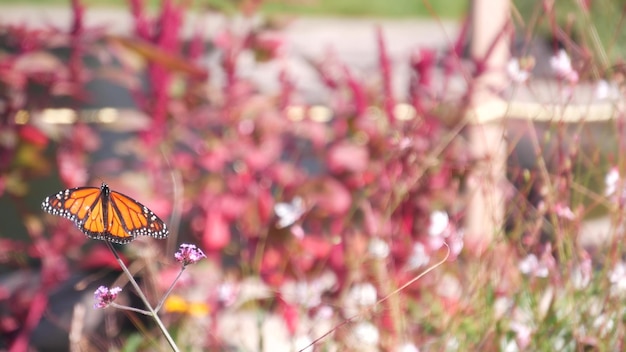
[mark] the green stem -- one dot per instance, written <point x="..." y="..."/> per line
<point x="154" y="315"/>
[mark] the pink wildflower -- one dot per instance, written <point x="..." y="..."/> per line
<point x="189" y="254"/>
<point x="104" y="297"/>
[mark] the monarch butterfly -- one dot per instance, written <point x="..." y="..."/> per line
<point x="103" y="214"/>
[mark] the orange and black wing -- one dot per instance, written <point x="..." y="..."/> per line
<point x="76" y="204"/>
<point x="106" y="215"/>
<point x="134" y="217"/>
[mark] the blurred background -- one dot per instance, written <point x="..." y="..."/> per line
<point x="323" y="154"/>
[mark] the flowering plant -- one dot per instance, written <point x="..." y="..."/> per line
<point x="323" y="217"/>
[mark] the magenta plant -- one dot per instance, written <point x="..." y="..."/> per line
<point x="260" y="181"/>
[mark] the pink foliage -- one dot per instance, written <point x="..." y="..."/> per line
<point x="237" y="154"/>
<point x="347" y="157"/>
<point x="215" y="233"/>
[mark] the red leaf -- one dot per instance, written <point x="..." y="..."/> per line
<point x="272" y="266"/>
<point x="317" y="246"/>
<point x="216" y="233"/>
<point x="290" y="315"/>
<point x="333" y="197"/>
<point x="35" y="313"/>
<point x="33" y="136"/>
<point x="347" y="157"/>
<point x="216" y="158"/>
<point x="72" y="169"/>
<point x="262" y="156"/>
<point x="265" y="205"/>
<point x="232" y="206"/>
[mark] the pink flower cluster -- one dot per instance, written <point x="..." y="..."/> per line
<point x="189" y="254"/>
<point x="105" y="296"/>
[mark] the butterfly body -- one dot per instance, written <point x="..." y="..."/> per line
<point x="103" y="214"/>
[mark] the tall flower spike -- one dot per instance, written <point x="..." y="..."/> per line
<point x="189" y="254"/>
<point x="104" y="297"/>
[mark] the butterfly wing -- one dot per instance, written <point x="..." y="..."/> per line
<point x="135" y="217"/>
<point x="76" y="204"/>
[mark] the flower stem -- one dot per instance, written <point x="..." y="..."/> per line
<point x="137" y="310"/>
<point x="153" y="313"/>
<point x="169" y="290"/>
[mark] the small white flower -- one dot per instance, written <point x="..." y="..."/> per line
<point x="302" y="341"/>
<point x="579" y="278"/>
<point x="418" y="257"/>
<point x="610" y="181"/>
<point x="438" y="223"/>
<point x="604" y="324"/>
<point x="531" y="266"/>
<point x="363" y="294"/>
<point x="227" y="293"/>
<point x="501" y="306"/>
<point x="304" y="294"/>
<point x="452" y="344"/>
<point x="606" y="90"/>
<point x="289" y="213"/>
<point x="378" y="248"/>
<point x="515" y="72"/>
<point x="308" y="293"/>
<point x="561" y="62"/>
<point x="360" y="296"/>
<point x="602" y="90"/>
<point x="522" y="334"/>
<point x="455" y="241"/>
<point x="324" y="313"/>
<point x="617" y="277"/>
<point x="366" y="334"/>
<point x="562" y="67"/>
<point x="407" y="347"/>
<point x="564" y="211"/>
<point x="510" y="346"/>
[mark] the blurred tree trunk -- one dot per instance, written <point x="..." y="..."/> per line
<point x="489" y="47"/>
